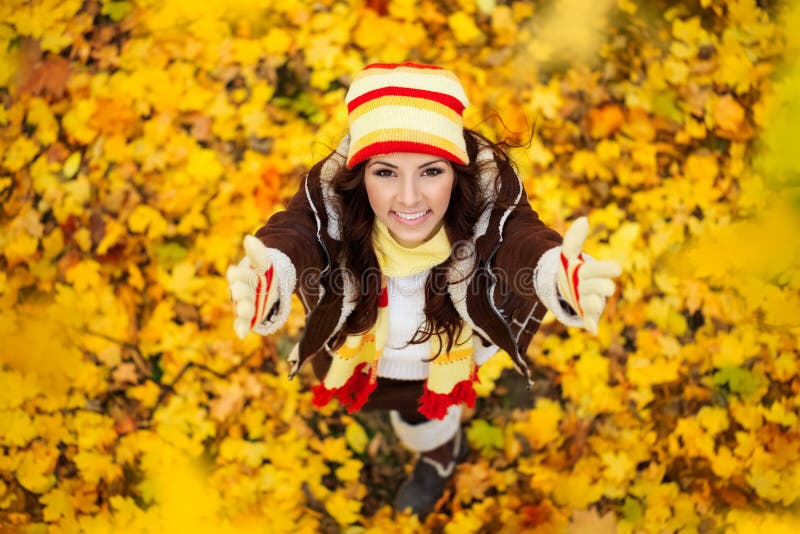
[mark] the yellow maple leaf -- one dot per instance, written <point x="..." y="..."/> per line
<point x="619" y="466"/>
<point x="18" y="428"/>
<point x="20" y="153"/>
<point x="713" y="419"/>
<point x="464" y="29"/>
<point x="94" y="430"/>
<point x="41" y="116"/>
<point x="183" y="281"/>
<point x="84" y="275"/>
<point x="701" y="167"/>
<point x="725" y="464"/>
<point x="779" y="413"/>
<point x="747" y="415"/>
<point x="349" y="471"/>
<point x="333" y="449"/>
<point x="76" y="121"/>
<point x="36" y="466"/>
<point x="146" y="218"/>
<point x="580" y="488"/>
<point x="589" y="164"/>
<point x="695" y="441"/>
<point x="547" y="99"/>
<point x="747" y="521"/>
<point x="17" y="389"/>
<point x="489" y="372"/>
<point x="57" y="504"/>
<point x="542" y="425"/>
<point x="343" y="509"/>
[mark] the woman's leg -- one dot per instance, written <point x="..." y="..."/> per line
<point x="437" y="443"/>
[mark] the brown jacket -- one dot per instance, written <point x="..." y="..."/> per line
<point x="497" y="299"/>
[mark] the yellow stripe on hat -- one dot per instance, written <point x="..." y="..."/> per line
<point x="406" y="101"/>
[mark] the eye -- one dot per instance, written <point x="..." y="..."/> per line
<point x="433" y="171"/>
<point x="383" y="172"/>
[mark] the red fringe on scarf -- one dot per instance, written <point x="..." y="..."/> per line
<point x="353" y="394"/>
<point x="434" y="405"/>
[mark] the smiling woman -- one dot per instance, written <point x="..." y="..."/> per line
<point x="419" y="227"/>
<point x="409" y="193"/>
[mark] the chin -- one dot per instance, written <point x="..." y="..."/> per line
<point x="410" y="237"/>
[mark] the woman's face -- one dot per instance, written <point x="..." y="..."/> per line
<point x="409" y="193"/>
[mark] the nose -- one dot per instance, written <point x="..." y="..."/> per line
<point x="409" y="193"/>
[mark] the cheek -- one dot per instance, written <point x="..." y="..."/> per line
<point x="375" y="194"/>
<point x="441" y="195"/>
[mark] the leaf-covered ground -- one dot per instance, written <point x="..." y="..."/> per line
<point x="140" y="140"/>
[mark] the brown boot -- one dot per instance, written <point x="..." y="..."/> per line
<point x="427" y="482"/>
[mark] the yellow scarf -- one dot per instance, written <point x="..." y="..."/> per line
<point x="353" y="372"/>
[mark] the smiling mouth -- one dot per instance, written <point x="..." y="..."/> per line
<point x="411" y="216"/>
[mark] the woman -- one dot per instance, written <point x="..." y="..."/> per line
<point x="417" y="257"/>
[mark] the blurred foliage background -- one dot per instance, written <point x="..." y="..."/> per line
<point x="141" y="139"/>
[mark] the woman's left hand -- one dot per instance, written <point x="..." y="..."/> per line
<point x="583" y="282"/>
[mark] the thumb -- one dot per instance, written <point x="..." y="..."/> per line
<point x="574" y="238"/>
<point x="256" y="252"/>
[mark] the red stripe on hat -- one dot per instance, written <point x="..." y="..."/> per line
<point x="397" y="65"/>
<point x="390" y="147"/>
<point x="446" y="100"/>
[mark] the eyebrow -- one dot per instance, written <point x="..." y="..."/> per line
<point x="395" y="166"/>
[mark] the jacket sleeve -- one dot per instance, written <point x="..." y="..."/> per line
<point x="528" y="258"/>
<point x="296" y="254"/>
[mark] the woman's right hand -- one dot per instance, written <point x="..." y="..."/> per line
<point x="251" y="284"/>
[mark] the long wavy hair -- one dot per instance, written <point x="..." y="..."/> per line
<point x="465" y="207"/>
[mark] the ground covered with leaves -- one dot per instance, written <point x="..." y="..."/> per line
<point x="141" y="139"/>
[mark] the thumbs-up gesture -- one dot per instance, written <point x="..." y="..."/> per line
<point x="584" y="283"/>
<point x="251" y="286"/>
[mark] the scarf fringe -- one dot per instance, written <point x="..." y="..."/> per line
<point x="352" y="394"/>
<point x="434" y="405"/>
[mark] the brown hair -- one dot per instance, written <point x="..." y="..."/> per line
<point x="463" y="211"/>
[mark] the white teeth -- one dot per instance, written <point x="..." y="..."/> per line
<point x="411" y="216"/>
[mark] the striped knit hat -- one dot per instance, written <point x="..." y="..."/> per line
<point x="406" y="108"/>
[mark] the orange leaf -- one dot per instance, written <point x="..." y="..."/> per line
<point x="728" y="114"/>
<point x="38" y="76"/>
<point x="590" y="521"/>
<point x="534" y="515"/>
<point x="112" y="117"/>
<point x="605" y="121"/>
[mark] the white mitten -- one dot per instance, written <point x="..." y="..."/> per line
<point x="583" y="282"/>
<point x="251" y="285"/>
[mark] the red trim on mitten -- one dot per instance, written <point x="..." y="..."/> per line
<point x="352" y="394"/>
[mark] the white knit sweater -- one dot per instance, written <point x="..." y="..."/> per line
<point x="401" y="360"/>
